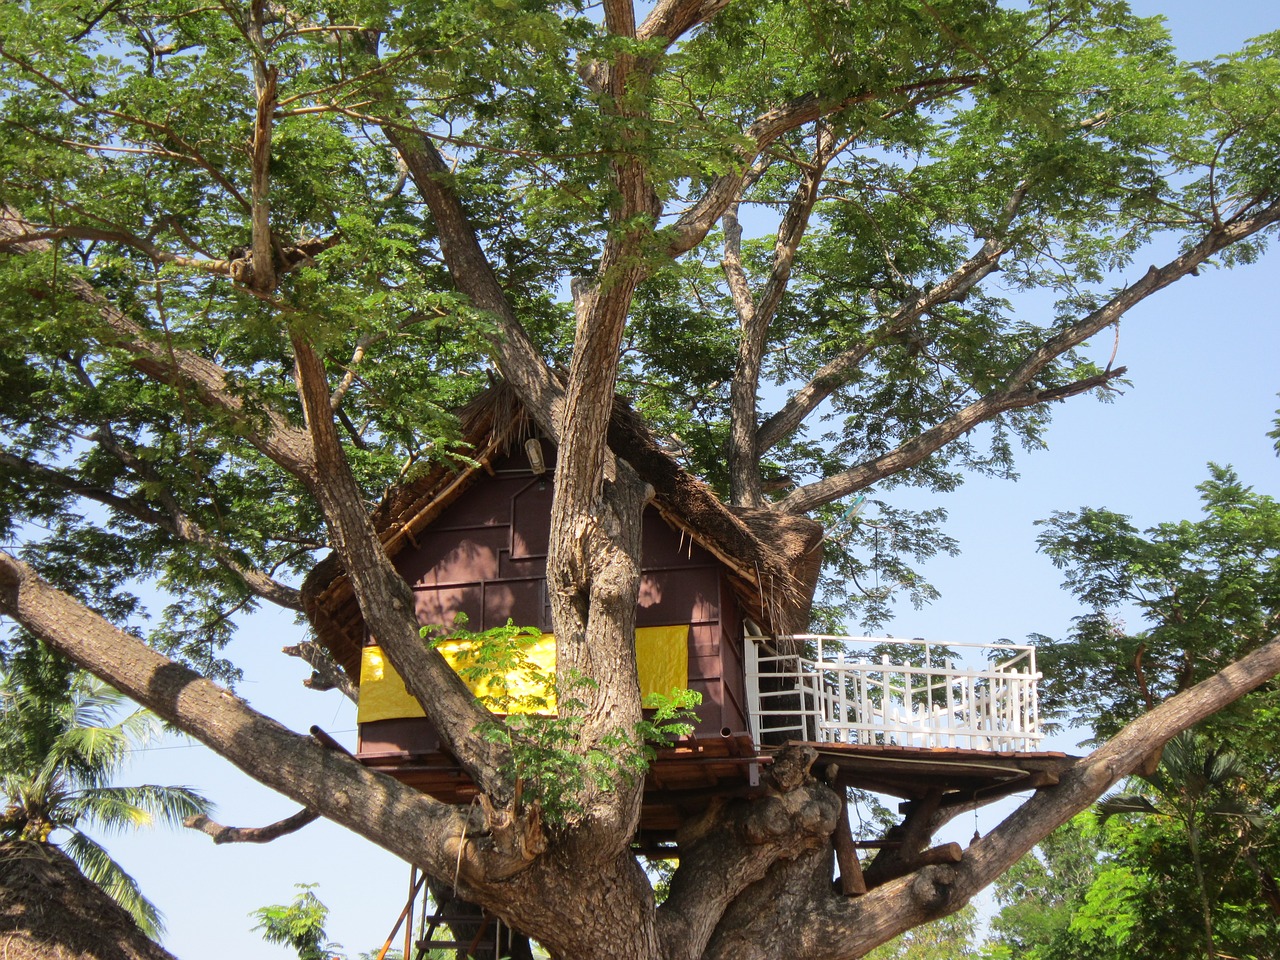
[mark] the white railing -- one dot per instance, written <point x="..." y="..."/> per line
<point x="888" y="691"/>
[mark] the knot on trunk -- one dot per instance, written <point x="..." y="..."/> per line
<point x="495" y="843"/>
<point x="791" y="766"/>
<point x="798" y="820"/>
<point x="932" y="888"/>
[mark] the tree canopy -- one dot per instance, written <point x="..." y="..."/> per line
<point x="253" y="254"/>
<point x="1183" y="861"/>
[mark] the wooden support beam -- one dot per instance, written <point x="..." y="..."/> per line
<point x="403" y="913"/>
<point x="328" y="741"/>
<point x="852" y="883"/>
<point x="946" y="853"/>
<point x="1036" y="780"/>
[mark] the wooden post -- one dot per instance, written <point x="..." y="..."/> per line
<point x="403" y="913"/>
<point x="408" y="926"/>
<point x="851" y="882"/>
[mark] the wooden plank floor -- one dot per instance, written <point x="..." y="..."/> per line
<point x="684" y="779"/>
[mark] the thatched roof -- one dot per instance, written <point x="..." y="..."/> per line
<point x="50" y="911"/>
<point x="772" y="560"/>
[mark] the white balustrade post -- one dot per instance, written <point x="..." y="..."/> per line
<point x="842" y="705"/>
<point x="951" y="704"/>
<point x="751" y="660"/>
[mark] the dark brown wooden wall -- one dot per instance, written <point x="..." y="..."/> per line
<point x="485" y="556"/>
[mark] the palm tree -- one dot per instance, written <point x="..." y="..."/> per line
<point x="61" y="746"/>
<point x="1190" y="785"/>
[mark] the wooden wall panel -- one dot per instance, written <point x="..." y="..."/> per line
<point x="485" y="556"/>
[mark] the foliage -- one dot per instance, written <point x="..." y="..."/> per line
<point x="298" y="925"/>
<point x="1041" y="895"/>
<point x="1207" y="592"/>
<point x="1202" y="827"/>
<point x="1183" y="862"/>
<point x="541" y="726"/>
<point x="1175" y="867"/>
<point x="951" y="938"/>
<point x="64" y="737"/>
<point x="126" y="132"/>
<point x="253" y="254"/>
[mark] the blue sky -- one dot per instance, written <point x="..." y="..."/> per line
<point x="1202" y="358"/>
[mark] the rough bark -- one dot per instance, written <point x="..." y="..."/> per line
<point x="734" y="845"/>
<point x="518" y="359"/>
<point x="740" y="889"/>
<point x="386" y="601"/>
<point x="755" y="315"/>
<point x="438" y="837"/>
<point x="273" y="831"/>
<point x="755" y="876"/>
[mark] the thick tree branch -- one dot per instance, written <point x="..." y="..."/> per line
<point x="593" y="575"/>
<point x="1017" y="392"/>
<point x="939" y="890"/>
<point x="918" y="448"/>
<point x="519" y="360"/>
<point x="263" y="276"/>
<point x="671" y="19"/>
<point x="833" y="927"/>
<point x="734" y="845"/>
<point x="273" y="831"/>
<point x="439" y="838"/>
<point x="836" y="372"/>
<point x="755" y="317"/>
<point x="386" y="602"/>
<point x="386" y="599"/>
<point x="620" y="17"/>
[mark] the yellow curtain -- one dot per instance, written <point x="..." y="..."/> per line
<point x="662" y="659"/>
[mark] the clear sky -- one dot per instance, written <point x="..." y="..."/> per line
<point x="1203" y="361"/>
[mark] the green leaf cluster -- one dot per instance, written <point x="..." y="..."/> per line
<point x="548" y="764"/>
<point x="298" y="925"/>
<point x="1204" y="592"/>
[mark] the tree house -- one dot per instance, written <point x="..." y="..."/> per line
<point x="722" y="596"/>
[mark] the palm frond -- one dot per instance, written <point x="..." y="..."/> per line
<point x="93" y="703"/>
<point x="92" y="754"/>
<point x="1117" y="803"/>
<point x="121" y="808"/>
<point x="98" y="867"/>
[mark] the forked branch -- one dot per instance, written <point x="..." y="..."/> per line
<point x="837" y="371"/>
<point x="1017" y="391"/>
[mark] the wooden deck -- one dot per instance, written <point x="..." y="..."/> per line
<point x="929" y="727"/>
<point x="683" y="780"/>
